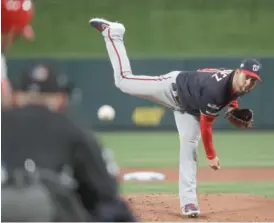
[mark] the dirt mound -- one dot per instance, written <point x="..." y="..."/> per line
<point x="214" y="207"/>
<point x="223" y="175"/>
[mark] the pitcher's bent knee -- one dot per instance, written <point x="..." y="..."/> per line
<point x="188" y="147"/>
<point x="125" y="84"/>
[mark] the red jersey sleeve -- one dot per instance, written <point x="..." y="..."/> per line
<point x="234" y="104"/>
<point x="206" y="134"/>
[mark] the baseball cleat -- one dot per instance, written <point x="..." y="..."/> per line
<point x="102" y="24"/>
<point x="191" y="210"/>
<point x="99" y="24"/>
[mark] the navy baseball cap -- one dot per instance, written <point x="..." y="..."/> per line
<point x="251" y="67"/>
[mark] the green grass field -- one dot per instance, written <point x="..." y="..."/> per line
<point x="161" y="149"/>
<point x="154" y="28"/>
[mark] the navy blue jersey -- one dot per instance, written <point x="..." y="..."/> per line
<point x="206" y="92"/>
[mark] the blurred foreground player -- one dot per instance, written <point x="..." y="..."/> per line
<point x="16" y="16"/>
<point x="55" y="171"/>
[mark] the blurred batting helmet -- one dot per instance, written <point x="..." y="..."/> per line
<point x="16" y="17"/>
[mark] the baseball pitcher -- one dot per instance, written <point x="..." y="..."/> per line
<point x="196" y="97"/>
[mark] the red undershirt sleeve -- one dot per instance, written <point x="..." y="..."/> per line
<point x="234" y="104"/>
<point x="206" y="122"/>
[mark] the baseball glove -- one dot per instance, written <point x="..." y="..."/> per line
<point x="240" y="118"/>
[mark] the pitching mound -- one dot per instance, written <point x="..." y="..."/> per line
<point x="214" y="207"/>
<point x="252" y="174"/>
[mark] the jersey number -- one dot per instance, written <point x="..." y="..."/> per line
<point x="15" y="5"/>
<point x="221" y="74"/>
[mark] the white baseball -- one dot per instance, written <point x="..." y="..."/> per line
<point x="106" y="113"/>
